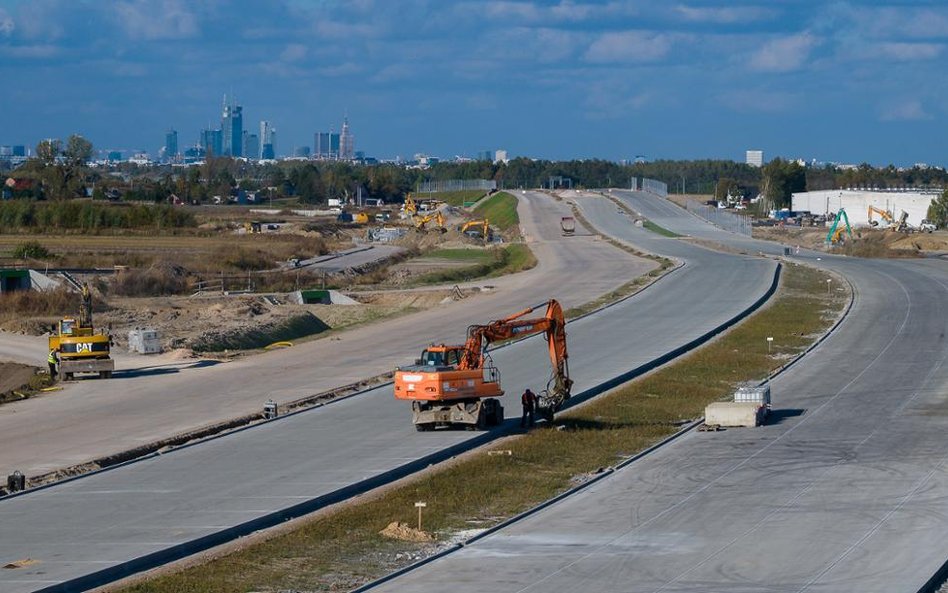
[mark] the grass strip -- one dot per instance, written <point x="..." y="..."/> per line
<point x="499" y="261"/>
<point x="342" y="549"/>
<point x="648" y="224"/>
<point x="629" y="288"/>
<point x="500" y="209"/>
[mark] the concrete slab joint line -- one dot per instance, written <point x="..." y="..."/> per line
<point x="612" y="470"/>
<point x="189" y="548"/>
<point x="185" y="548"/>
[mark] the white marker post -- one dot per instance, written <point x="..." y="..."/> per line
<point x="828" y="282"/>
<point x="419" y="506"/>
<point x="770" y="340"/>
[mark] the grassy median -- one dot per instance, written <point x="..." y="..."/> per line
<point x="342" y="549"/>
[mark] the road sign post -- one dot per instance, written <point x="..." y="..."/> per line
<point x="419" y="506"/>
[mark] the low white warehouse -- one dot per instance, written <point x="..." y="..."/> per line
<point x="857" y="202"/>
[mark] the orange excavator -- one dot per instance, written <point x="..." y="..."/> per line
<point x="456" y="385"/>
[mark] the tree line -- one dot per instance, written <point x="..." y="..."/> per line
<point x="61" y="172"/>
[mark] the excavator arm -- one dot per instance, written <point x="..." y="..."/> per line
<point x="553" y="323"/>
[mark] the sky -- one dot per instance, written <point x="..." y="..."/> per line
<point x="845" y="82"/>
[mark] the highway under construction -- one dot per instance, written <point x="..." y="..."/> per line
<point x="847" y="486"/>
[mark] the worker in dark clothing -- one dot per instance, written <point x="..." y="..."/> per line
<point x="52" y="359"/>
<point x="529" y="402"/>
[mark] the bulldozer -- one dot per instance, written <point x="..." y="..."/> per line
<point x="458" y="385"/>
<point x="80" y="347"/>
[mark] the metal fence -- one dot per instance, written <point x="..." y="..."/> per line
<point x="445" y="185"/>
<point x="729" y="221"/>
<point x="653" y="186"/>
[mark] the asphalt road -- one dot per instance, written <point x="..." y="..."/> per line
<point x="844" y="490"/>
<point x="147" y="512"/>
<point x="154" y="398"/>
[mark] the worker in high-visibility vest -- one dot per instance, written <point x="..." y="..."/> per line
<point x="52" y="359"/>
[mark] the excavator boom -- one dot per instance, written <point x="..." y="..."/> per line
<point x="461" y="376"/>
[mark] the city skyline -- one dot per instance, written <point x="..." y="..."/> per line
<point x="841" y="82"/>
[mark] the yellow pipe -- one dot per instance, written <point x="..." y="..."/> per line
<point x="279" y="345"/>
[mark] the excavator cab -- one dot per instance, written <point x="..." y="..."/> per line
<point x="440" y="356"/>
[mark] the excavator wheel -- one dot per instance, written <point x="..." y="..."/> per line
<point x="424" y="427"/>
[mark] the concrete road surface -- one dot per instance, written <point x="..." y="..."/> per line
<point x="105" y="525"/>
<point x="844" y="490"/>
<point x="149" y="400"/>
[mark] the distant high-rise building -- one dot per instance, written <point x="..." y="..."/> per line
<point x="755" y="158"/>
<point x="301" y="152"/>
<point x="232" y="126"/>
<point x="19" y="150"/>
<point x="171" y="145"/>
<point x="485" y="156"/>
<point x="251" y="145"/>
<point x="267" y="140"/>
<point x="500" y="156"/>
<point x="212" y="142"/>
<point x="346" y="141"/>
<point x="326" y="145"/>
<point x="115" y="156"/>
<point x="6" y="151"/>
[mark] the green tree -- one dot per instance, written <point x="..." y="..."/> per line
<point x="780" y="179"/>
<point x="938" y="210"/>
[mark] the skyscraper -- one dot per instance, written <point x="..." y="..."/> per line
<point x="267" y="140"/>
<point x="251" y="145"/>
<point x="346" y="141"/>
<point x="326" y="145"/>
<point x="232" y="127"/>
<point x="212" y="142"/>
<point x="171" y="145"/>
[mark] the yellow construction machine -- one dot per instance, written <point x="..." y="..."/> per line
<point x="476" y="227"/>
<point x="81" y="349"/>
<point x="886" y="216"/>
<point x="421" y="222"/>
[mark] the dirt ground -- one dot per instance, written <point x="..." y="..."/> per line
<point x="900" y="244"/>
<point x="13" y="376"/>
<point x="183" y="321"/>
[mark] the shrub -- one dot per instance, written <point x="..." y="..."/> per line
<point x="31" y="250"/>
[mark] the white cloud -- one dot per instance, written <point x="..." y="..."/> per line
<point x="907" y="110"/>
<point x="503" y="9"/>
<point x="629" y="46"/>
<point x="725" y="14"/>
<point x="39" y="51"/>
<point x="6" y="24"/>
<point x="784" y="54"/>
<point x="167" y="19"/>
<point x="910" y="51"/>
<point x="533" y="12"/>
<point x="615" y="100"/>
<point x="293" y="52"/>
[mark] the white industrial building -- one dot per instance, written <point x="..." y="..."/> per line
<point x="857" y="203"/>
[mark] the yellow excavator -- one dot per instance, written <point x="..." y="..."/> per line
<point x="80" y="347"/>
<point x="421" y="222"/>
<point x="886" y="216"/>
<point x="410" y="208"/>
<point x="482" y="227"/>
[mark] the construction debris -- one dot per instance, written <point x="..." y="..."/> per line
<point x="404" y="532"/>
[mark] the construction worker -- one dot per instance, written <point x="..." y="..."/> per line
<point x="52" y="359"/>
<point x="529" y="402"/>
